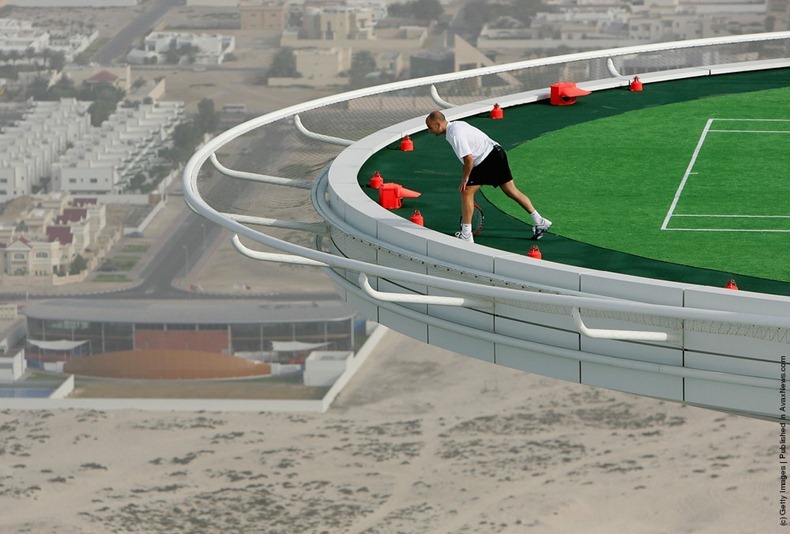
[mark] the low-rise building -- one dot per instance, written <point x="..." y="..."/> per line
<point x="12" y="367"/>
<point x="211" y="48"/>
<point x="72" y="3"/>
<point x="346" y="25"/>
<point x="22" y="38"/>
<point x="281" y="331"/>
<point x="323" y="367"/>
<point x="318" y="67"/>
<point x="34" y="136"/>
<point x="105" y="159"/>
<point x="45" y="239"/>
<point x="615" y="23"/>
<point x="262" y="15"/>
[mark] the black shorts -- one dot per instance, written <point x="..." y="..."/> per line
<point x="494" y="170"/>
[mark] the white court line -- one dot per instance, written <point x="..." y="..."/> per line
<point x="725" y="230"/>
<point x="733" y="216"/>
<point x="752" y="131"/>
<point x="671" y="213"/>
<point x="686" y="175"/>
<point x="755" y="120"/>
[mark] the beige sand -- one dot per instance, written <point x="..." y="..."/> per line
<point x="422" y="440"/>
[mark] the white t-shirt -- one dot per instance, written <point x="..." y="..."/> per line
<point x="466" y="139"/>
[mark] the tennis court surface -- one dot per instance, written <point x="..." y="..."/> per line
<point x="687" y="181"/>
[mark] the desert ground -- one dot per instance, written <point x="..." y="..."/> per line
<point x="422" y="440"/>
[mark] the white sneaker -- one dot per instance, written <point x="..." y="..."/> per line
<point x="469" y="237"/>
<point x="538" y="231"/>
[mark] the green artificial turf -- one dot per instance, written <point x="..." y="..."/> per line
<point x="547" y="145"/>
<point x="614" y="185"/>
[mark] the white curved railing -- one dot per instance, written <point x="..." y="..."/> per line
<point x="674" y="341"/>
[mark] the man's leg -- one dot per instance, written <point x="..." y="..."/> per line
<point x="468" y="203"/>
<point x="541" y="225"/>
<point x="467" y="209"/>
<point x="510" y="189"/>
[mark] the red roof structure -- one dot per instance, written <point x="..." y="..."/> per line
<point x="103" y="76"/>
<point x="62" y="234"/>
<point x="72" y="215"/>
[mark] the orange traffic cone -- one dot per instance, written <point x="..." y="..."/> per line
<point x="535" y="253"/>
<point x="497" y="112"/>
<point x="391" y="195"/>
<point x="376" y="180"/>
<point x="636" y="85"/>
<point x="417" y="218"/>
<point x="406" y="144"/>
<point x="407" y="193"/>
<point x="731" y="284"/>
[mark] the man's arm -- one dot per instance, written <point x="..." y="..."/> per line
<point x="469" y="163"/>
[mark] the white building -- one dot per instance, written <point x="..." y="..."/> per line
<point x="71" y="44"/>
<point x="30" y="145"/>
<point x="323" y="368"/>
<point x="213" y="3"/>
<point x="12" y="367"/>
<point x="72" y="3"/>
<point x="597" y="24"/>
<point x="212" y="48"/>
<point x="21" y="36"/>
<point x="105" y="159"/>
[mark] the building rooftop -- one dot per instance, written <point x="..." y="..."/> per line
<point x="205" y="311"/>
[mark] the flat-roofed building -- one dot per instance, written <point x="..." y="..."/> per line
<point x="211" y="48"/>
<point x="31" y="143"/>
<point x="107" y="158"/>
<point x="72" y="3"/>
<point x="262" y="15"/>
<point x="282" y="330"/>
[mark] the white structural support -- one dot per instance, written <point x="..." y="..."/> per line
<point x="274" y="257"/>
<point x="420" y="299"/>
<point x="320" y="137"/>
<point x="439" y="100"/>
<point x="627" y="335"/>
<point x="612" y="69"/>
<point x="700" y="345"/>
<point x="253" y="177"/>
<point x="316" y="228"/>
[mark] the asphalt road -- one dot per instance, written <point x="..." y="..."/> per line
<point x="123" y="41"/>
<point x="185" y="246"/>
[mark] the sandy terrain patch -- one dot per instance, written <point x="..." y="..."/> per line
<point x="421" y="441"/>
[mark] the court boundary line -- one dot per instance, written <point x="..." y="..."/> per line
<point x="705" y="131"/>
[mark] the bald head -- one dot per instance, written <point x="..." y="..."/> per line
<point x="436" y="122"/>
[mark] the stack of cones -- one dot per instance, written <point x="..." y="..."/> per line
<point x="376" y="180"/>
<point x="391" y="195"/>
